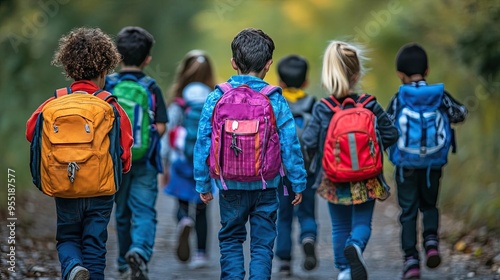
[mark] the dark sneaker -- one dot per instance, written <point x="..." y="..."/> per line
<point x="79" y="273"/>
<point x="355" y="257"/>
<point x="285" y="269"/>
<point x="183" y="249"/>
<point x="138" y="267"/>
<point x="411" y="269"/>
<point x="431" y="245"/>
<point x="310" y="260"/>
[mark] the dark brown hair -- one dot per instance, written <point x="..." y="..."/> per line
<point x="86" y="53"/>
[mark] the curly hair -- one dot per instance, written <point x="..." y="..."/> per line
<point x="86" y="53"/>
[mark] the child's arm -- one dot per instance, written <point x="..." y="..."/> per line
<point x="391" y="108"/>
<point x="291" y="155"/>
<point x="388" y="132"/>
<point x="203" y="142"/>
<point x="456" y="111"/>
<point x="30" y="124"/>
<point x="310" y="135"/>
<point x="126" y="138"/>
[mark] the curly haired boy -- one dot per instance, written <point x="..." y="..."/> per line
<point x="86" y="55"/>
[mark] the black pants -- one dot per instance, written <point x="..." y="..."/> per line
<point x="200" y="224"/>
<point x="414" y="195"/>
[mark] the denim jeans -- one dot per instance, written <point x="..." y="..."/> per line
<point x="351" y="224"/>
<point x="82" y="233"/>
<point x="413" y="196"/>
<point x="236" y="208"/>
<point x="305" y="213"/>
<point x="135" y="213"/>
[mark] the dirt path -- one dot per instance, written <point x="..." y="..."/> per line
<point x="36" y="255"/>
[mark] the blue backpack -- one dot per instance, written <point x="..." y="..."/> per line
<point x="425" y="132"/>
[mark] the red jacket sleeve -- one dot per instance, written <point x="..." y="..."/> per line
<point x="30" y="124"/>
<point x="126" y="138"/>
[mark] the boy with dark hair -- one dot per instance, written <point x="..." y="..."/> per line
<point x="292" y="72"/>
<point x="87" y="55"/>
<point x="420" y="153"/>
<point x="135" y="201"/>
<point x="243" y="200"/>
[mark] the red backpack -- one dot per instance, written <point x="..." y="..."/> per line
<point x="352" y="151"/>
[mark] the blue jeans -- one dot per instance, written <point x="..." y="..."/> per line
<point x="236" y="208"/>
<point x="135" y="213"/>
<point x="82" y="233"/>
<point x="351" y="224"/>
<point x="305" y="213"/>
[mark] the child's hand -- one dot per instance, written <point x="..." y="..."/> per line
<point x="206" y="197"/>
<point x="298" y="199"/>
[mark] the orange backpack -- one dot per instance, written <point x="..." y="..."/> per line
<point x="75" y="150"/>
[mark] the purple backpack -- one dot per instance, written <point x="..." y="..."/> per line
<point x="245" y="142"/>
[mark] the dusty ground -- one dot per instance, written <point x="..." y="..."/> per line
<point x="36" y="257"/>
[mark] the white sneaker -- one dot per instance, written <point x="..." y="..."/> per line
<point x="200" y="260"/>
<point x="79" y="273"/>
<point x="345" y="274"/>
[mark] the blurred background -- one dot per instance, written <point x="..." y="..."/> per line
<point x="461" y="38"/>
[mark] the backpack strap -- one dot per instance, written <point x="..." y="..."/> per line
<point x="62" y="91"/>
<point x="224" y="87"/>
<point x="332" y="103"/>
<point x="267" y="90"/>
<point x="104" y="95"/>
<point x="364" y="99"/>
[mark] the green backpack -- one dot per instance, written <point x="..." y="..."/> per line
<point x="136" y="99"/>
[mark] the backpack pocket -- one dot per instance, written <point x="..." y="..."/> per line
<point x="241" y="150"/>
<point x="422" y="134"/>
<point x="70" y="173"/>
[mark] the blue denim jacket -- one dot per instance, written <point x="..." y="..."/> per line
<point x="291" y="154"/>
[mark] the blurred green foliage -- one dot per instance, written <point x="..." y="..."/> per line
<point x="461" y="38"/>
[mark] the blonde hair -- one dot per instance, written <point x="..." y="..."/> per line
<point x="342" y="68"/>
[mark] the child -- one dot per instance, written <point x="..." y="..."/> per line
<point x="86" y="55"/>
<point x="418" y="186"/>
<point x="257" y="200"/>
<point x="193" y="82"/>
<point x="292" y="72"/>
<point x="350" y="204"/>
<point x="135" y="201"/>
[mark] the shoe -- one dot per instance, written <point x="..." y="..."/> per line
<point x="200" y="260"/>
<point x="138" y="267"/>
<point x="285" y="268"/>
<point x="431" y="245"/>
<point x="411" y="268"/>
<point x="355" y="257"/>
<point x="79" y="273"/>
<point x="124" y="274"/>
<point x="310" y="260"/>
<point x="345" y="274"/>
<point x="183" y="250"/>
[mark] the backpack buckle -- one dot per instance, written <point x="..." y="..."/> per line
<point x="72" y="168"/>
<point x="423" y="151"/>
